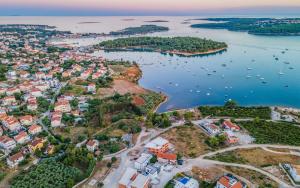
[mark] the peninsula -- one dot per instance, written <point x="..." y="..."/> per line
<point x="184" y="46"/>
<point x="255" y="26"/>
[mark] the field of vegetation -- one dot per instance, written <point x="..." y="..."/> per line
<point x="266" y="132"/>
<point x="143" y="29"/>
<point x="164" y="44"/>
<point x="48" y="173"/>
<point x="256" y="26"/>
<point x="231" y="109"/>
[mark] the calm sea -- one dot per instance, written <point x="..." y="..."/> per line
<point x="248" y="72"/>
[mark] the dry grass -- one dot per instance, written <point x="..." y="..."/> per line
<point x="210" y="174"/>
<point x="188" y="140"/>
<point x="122" y="87"/>
<point x="254" y="177"/>
<point x="259" y="157"/>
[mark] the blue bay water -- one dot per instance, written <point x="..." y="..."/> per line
<point x="247" y="72"/>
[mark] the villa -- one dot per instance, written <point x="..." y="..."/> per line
<point x="229" y="181"/>
<point x="230" y="126"/>
<point x="186" y="182"/>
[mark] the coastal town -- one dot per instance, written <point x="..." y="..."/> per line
<point x="69" y="113"/>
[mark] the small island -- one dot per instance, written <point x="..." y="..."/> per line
<point x="143" y="29"/>
<point x="255" y="26"/>
<point x="184" y="46"/>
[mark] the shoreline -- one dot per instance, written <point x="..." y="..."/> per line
<point x="179" y="53"/>
<point x="166" y="98"/>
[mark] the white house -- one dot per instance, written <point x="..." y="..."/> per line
<point x="142" y="161"/>
<point x="7" y="143"/>
<point x="92" y="145"/>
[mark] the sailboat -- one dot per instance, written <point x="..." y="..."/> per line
<point x="280" y="73"/>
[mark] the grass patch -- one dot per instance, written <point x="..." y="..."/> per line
<point x="236" y="112"/>
<point x="229" y="157"/>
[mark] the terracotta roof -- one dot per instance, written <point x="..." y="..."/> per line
<point x="16" y="156"/>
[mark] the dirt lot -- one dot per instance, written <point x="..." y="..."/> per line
<point x="122" y="87"/>
<point x="207" y="174"/>
<point x="188" y="140"/>
<point x="132" y="73"/>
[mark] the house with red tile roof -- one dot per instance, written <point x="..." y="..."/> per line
<point x="32" y="104"/>
<point x="22" y="137"/>
<point x="227" y="124"/>
<point x="26" y="120"/>
<point x="12" y="90"/>
<point x="34" y="129"/>
<point x="8" y="100"/>
<point x="15" y="159"/>
<point x="229" y="181"/>
<point x="36" y="92"/>
<point x="92" y="145"/>
<point x="7" y="143"/>
<point x="62" y="106"/>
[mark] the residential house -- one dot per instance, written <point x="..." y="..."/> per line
<point x="229" y="181"/>
<point x="36" y="92"/>
<point x="32" y="104"/>
<point x="15" y="159"/>
<point x="6" y="101"/>
<point x="22" y="137"/>
<point x="158" y="145"/>
<point x="62" y="106"/>
<point x="167" y="157"/>
<point x="231" y="138"/>
<point x="11" y="123"/>
<point x="212" y="129"/>
<point x="91" y="87"/>
<point x="26" y="120"/>
<point x="34" y="129"/>
<point x="7" y="143"/>
<point x="132" y="179"/>
<point x="56" y="119"/>
<point x="142" y="161"/>
<point x="230" y="126"/>
<point x="92" y="145"/>
<point x="37" y="143"/>
<point x="12" y="91"/>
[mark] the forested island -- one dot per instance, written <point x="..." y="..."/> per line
<point x="185" y="46"/>
<point x="143" y="29"/>
<point x="255" y="26"/>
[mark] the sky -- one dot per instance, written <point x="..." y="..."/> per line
<point x="147" y="7"/>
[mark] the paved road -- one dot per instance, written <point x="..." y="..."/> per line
<point x="112" y="179"/>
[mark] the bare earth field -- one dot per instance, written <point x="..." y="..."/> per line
<point x="122" y="87"/>
<point x="188" y="141"/>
